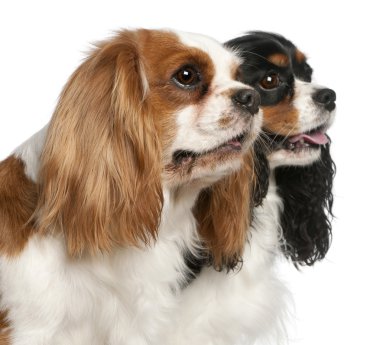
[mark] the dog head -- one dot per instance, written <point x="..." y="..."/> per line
<point x="147" y="111"/>
<point x="297" y="114"/>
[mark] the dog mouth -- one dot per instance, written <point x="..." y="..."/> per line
<point x="313" y="139"/>
<point x="234" y="145"/>
<point x="310" y="140"/>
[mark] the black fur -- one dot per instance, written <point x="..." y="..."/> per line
<point x="302" y="70"/>
<point x="262" y="172"/>
<point x="266" y="43"/>
<point x="195" y="262"/>
<point x="254" y="49"/>
<point x="306" y="190"/>
<point x="306" y="220"/>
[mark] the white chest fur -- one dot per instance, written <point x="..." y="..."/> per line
<point x="238" y="307"/>
<point x="123" y="298"/>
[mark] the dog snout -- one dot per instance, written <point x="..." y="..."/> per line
<point x="325" y="98"/>
<point x="247" y="99"/>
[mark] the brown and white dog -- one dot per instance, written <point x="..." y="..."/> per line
<point x="96" y="208"/>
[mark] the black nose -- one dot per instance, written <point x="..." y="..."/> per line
<point x="248" y="99"/>
<point x="326" y="98"/>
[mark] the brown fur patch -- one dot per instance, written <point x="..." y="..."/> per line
<point x="223" y="213"/>
<point x="4" y="329"/>
<point x="18" y="199"/>
<point x="226" y="121"/>
<point x="278" y="59"/>
<point x="281" y="118"/>
<point x="163" y="54"/>
<point x="102" y="162"/>
<point x="300" y="57"/>
<point x="160" y="65"/>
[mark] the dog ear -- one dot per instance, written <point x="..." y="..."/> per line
<point x="223" y="212"/>
<point x="306" y="219"/>
<point x="18" y="200"/>
<point x="101" y="165"/>
<point x="262" y="171"/>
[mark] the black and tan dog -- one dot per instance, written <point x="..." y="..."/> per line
<point x="297" y="114"/>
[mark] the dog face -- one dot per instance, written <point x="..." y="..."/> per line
<point x="212" y="118"/>
<point x="297" y="113"/>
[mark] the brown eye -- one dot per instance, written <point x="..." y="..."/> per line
<point x="187" y="77"/>
<point x="270" y="81"/>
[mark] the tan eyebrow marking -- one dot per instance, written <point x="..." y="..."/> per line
<point x="300" y="57"/>
<point x="279" y="59"/>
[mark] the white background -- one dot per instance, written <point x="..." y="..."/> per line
<point x="337" y="301"/>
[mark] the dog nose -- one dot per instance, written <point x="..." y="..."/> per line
<point x="326" y="98"/>
<point x="247" y="99"/>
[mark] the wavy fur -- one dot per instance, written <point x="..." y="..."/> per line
<point x="100" y="154"/>
<point x="307" y="196"/>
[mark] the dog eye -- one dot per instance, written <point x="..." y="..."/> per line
<point x="187" y="77"/>
<point x="270" y="81"/>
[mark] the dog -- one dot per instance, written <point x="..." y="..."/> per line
<point x="294" y="218"/>
<point x="96" y="209"/>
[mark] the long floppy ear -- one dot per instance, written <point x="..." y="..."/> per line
<point x="224" y="213"/>
<point x="308" y="199"/>
<point x="18" y="200"/>
<point x="100" y="174"/>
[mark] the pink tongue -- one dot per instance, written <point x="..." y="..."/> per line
<point x="234" y="143"/>
<point x="317" y="138"/>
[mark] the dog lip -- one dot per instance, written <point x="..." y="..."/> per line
<point x="307" y="140"/>
<point x="234" y="144"/>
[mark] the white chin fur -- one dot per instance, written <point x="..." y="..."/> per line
<point x="293" y="158"/>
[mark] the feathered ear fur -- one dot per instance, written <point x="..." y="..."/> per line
<point x="18" y="199"/>
<point x="224" y="213"/>
<point x="101" y="166"/>
<point x="262" y="172"/>
<point x="306" y="220"/>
